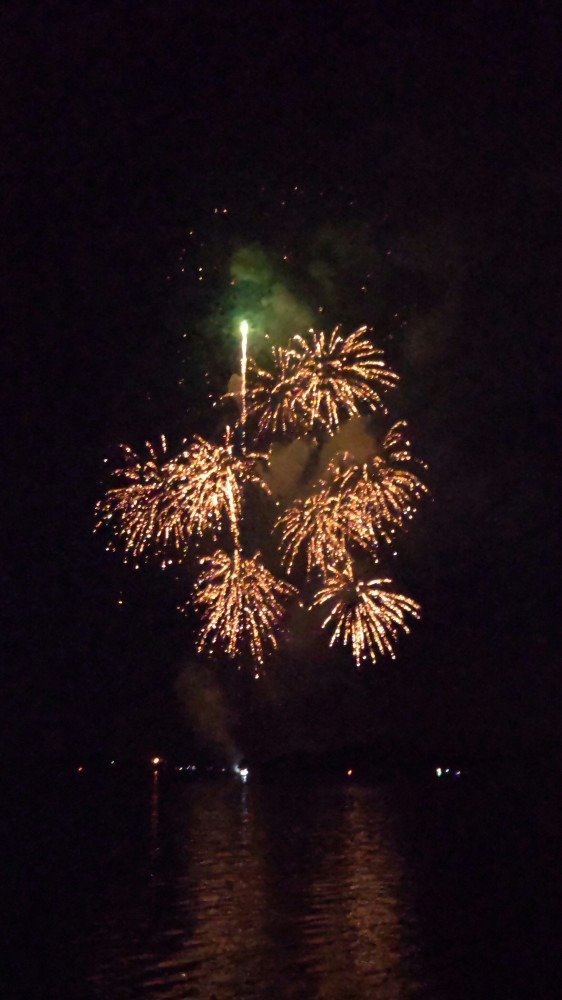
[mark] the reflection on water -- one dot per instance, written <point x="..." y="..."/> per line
<point x="357" y="928"/>
<point x="256" y="891"/>
<point x="412" y="889"/>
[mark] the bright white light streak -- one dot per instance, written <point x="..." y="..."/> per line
<point x="244" y="328"/>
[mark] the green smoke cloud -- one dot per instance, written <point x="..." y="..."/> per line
<point x="274" y="310"/>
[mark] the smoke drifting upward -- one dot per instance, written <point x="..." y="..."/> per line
<point x="354" y="437"/>
<point x="275" y="309"/>
<point x="199" y="692"/>
<point x="251" y="264"/>
<point x="283" y="311"/>
<point x="294" y="468"/>
<point x="287" y="465"/>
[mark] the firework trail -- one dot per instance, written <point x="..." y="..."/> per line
<point x="243" y="370"/>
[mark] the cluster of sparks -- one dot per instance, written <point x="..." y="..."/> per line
<point x="317" y="380"/>
<point x="171" y="506"/>
<point x="215" y="479"/>
<point x="381" y="493"/>
<point x="241" y="603"/>
<point x="146" y="508"/>
<point x="159" y="505"/>
<point x="364" y="614"/>
<point x="356" y="507"/>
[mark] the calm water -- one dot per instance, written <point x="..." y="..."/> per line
<point x="414" y="888"/>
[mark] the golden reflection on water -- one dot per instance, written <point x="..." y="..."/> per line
<point x="227" y="894"/>
<point x="262" y="891"/>
<point x="364" y="937"/>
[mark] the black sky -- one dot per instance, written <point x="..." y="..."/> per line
<point x="124" y="125"/>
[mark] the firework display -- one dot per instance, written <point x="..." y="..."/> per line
<point x="214" y="478"/>
<point x="364" y="614"/>
<point x="146" y="507"/>
<point x="380" y="493"/>
<point x="318" y="380"/>
<point x="340" y="512"/>
<point x="241" y="604"/>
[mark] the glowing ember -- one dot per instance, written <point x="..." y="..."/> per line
<point x="147" y="508"/>
<point x="241" y="604"/>
<point x="318" y="380"/>
<point x="365" y="614"/>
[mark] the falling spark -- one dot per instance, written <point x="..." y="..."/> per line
<point x="215" y="478"/>
<point x="323" y="527"/>
<point x="317" y="380"/>
<point x="379" y="492"/>
<point x="162" y="504"/>
<point x="146" y="510"/>
<point x="364" y="613"/>
<point x="241" y="604"/>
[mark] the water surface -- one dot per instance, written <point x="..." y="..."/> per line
<point x="289" y="889"/>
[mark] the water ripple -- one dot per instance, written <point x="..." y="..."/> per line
<point x="252" y="897"/>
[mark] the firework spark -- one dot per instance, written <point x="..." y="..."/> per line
<point x="215" y="480"/>
<point x="313" y="525"/>
<point x="364" y="613"/>
<point x="396" y="447"/>
<point x="164" y="502"/>
<point x="317" y="380"/>
<point x="241" y="604"/>
<point x="380" y="492"/>
<point x="355" y="507"/>
<point x="146" y="510"/>
<point x="325" y="525"/>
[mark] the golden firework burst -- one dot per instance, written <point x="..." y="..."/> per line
<point x="317" y="380"/>
<point x="161" y="503"/>
<point x="241" y="604"/>
<point x="364" y="614"/>
<point x="314" y="525"/>
<point x="215" y="478"/>
<point x="380" y="492"/>
<point x="147" y="509"/>
<point x="326" y="526"/>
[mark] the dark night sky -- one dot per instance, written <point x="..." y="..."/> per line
<point x="123" y="126"/>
